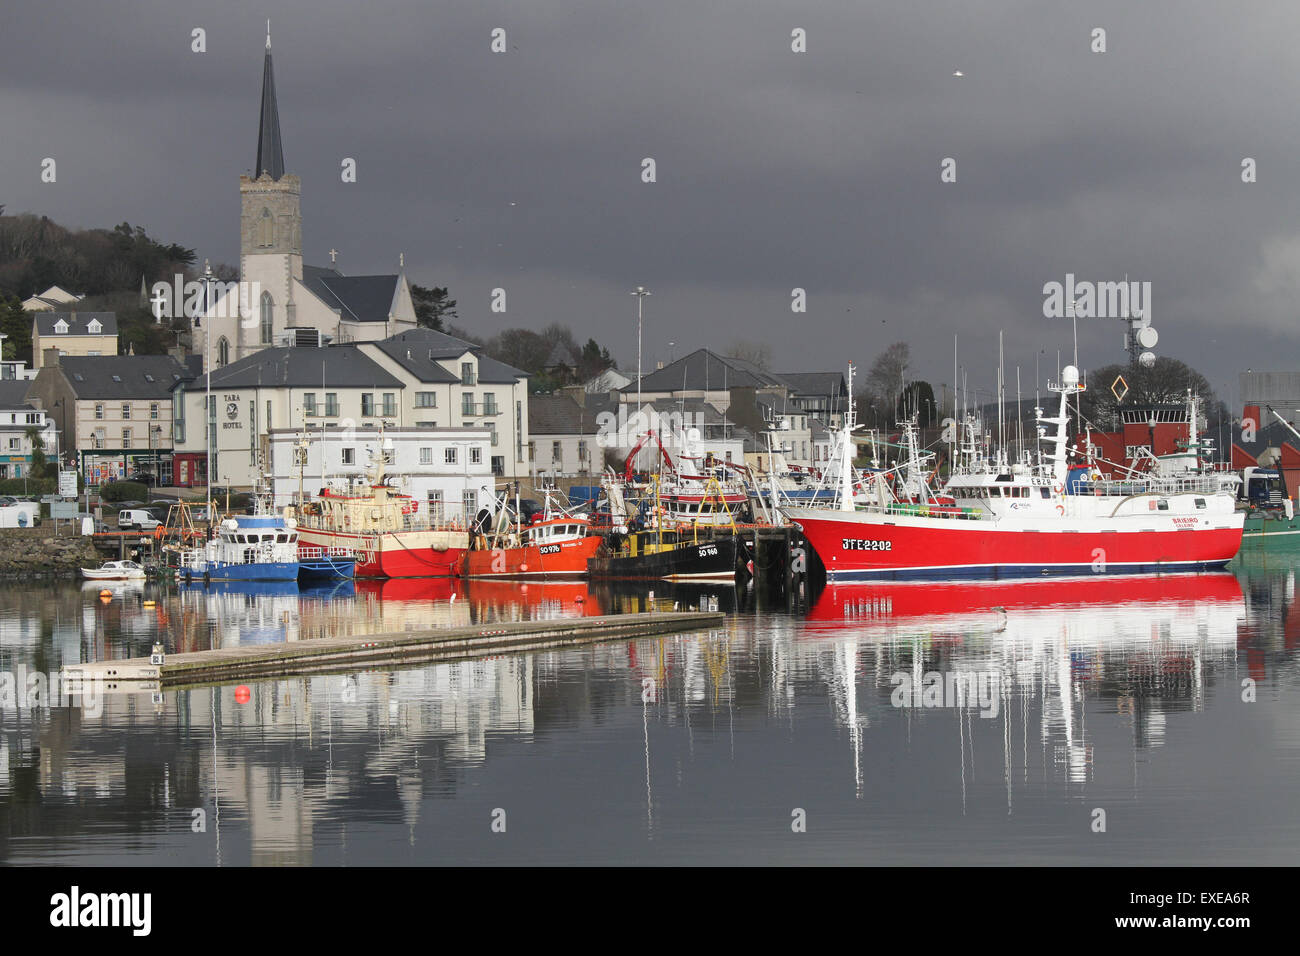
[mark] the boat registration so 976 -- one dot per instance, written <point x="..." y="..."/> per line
<point x="866" y="544"/>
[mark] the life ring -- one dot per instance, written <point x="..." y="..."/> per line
<point x="1058" y="488"/>
<point x="1060" y="509"/>
<point x="347" y="519"/>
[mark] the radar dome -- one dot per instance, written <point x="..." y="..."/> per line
<point x="1147" y="359"/>
<point x="1070" y="375"/>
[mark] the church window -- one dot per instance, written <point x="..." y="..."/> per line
<point x="266" y="318"/>
<point x="266" y="230"/>
<point x="223" y="351"/>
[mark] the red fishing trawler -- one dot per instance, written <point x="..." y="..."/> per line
<point x="393" y="535"/>
<point x="553" y="544"/>
<point x="999" y="518"/>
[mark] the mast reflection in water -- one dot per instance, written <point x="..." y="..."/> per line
<point x="918" y="723"/>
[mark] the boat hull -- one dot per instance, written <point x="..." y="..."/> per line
<point x="1275" y="533"/>
<point x="714" y="560"/>
<point x="859" y="546"/>
<point x="221" y="571"/>
<point x="397" y="554"/>
<point x="563" y="559"/>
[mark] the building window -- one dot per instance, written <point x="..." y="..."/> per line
<point x="467" y="376"/>
<point x="467" y="403"/>
<point x="267" y="423"/>
<point x="349" y="456"/>
<point x="390" y="404"/>
<point x="476" y="455"/>
<point x="556" y="453"/>
<point x="126" y="438"/>
<point x="126" y="410"/>
<point x="449" y="456"/>
<point x="309" y="404"/>
<point x="582" y="451"/>
<point x="532" y="451"/>
<point x="99" y="411"/>
<point x="469" y="499"/>
<point x="426" y="456"/>
<point x="100" y="437"/>
<point x="498" y="464"/>
<point x="265" y="224"/>
<point x="153" y="410"/>
<point x="367" y="404"/>
<point x="519" y="431"/>
<point x="489" y="403"/>
<point x="492" y="430"/>
<point x="223" y="352"/>
<point x="426" y="399"/>
<point x="15" y="444"/>
<point x="331" y="404"/>
<point x="267" y="326"/>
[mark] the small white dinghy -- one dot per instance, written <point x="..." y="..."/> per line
<point x="114" y="571"/>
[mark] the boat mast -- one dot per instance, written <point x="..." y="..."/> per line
<point x="846" y="463"/>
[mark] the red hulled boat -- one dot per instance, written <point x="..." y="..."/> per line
<point x="392" y="534"/>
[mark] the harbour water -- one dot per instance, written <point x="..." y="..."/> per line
<point x="926" y="724"/>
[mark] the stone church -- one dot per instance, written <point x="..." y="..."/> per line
<point x="295" y="304"/>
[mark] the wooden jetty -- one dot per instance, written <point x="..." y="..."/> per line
<point x="332" y="654"/>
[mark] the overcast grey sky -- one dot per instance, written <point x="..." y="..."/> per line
<point x="775" y="169"/>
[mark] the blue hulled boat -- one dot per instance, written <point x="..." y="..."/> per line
<point x="246" y="548"/>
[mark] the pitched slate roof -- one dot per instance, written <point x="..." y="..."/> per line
<point x="428" y="345"/>
<point x="121" y="376"/>
<point x="339" y="366"/>
<point x="78" y="323"/>
<point x="815" y="383"/>
<point x="13" y="395"/>
<point x="358" y="298"/>
<point x="408" y="353"/>
<point x="695" y="372"/>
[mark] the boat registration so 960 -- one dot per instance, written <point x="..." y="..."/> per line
<point x="866" y="544"/>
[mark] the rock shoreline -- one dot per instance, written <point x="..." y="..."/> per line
<point x="38" y="553"/>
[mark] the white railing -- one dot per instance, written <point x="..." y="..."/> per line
<point x="320" y="552"/>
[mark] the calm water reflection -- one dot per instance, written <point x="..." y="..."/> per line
<point x="1120" y="694"/>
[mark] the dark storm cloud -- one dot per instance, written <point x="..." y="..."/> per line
<point x="818" y="170"/>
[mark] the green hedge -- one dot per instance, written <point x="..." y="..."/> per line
<point x="33" y="487"/>
<point x="124" y="491"/>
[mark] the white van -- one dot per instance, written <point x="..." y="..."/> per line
<point x="136" y="518"/>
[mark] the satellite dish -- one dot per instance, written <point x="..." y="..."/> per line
<point x="1147" y="359"/>
<point x="1147" y="337"/>
<point x="1071" y="375"/>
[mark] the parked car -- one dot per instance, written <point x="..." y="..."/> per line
<point x="143" y="478"/>
<point x="136" y="518"/>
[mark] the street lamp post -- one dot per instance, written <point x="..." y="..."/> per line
<point x="640" y="292"/>
<point x="209" y="419"/>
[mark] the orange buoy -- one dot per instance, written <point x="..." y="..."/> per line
<point x="106" y="593"/>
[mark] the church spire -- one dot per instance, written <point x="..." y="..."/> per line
<point x="270" y="152"/>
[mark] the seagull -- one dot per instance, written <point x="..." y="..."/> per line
<point x="958" y="73"/>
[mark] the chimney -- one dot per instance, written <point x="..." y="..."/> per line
<point x="50" y="358"/>
<point x="178" y="353"/>
<point x="577" y="393"/>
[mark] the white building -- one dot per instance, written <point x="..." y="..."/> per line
<point x="420" y="379"/>
<point x="17" y="419"/>
<point x="447" y="467"/>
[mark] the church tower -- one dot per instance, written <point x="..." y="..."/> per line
<point x="270" y="229"/>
